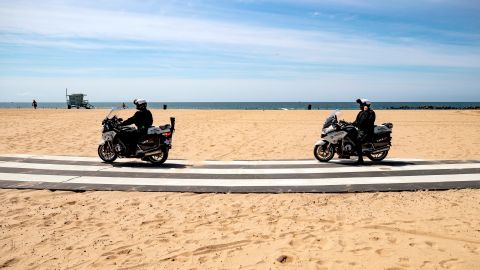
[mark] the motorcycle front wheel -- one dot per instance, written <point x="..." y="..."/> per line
<point x="106" y="153"/>
<point x="324" y="153"/>
<point x="159" y="158"/>
<point x="378" y="156"/>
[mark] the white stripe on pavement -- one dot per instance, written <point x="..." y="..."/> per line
<point x="160" y="170"/>
<point x="35" y="177"/>
<point x="278" y="182"/>
<point x="346" y="169"/>
<point x="59" y="167"/>
<point x="241" y="183"/>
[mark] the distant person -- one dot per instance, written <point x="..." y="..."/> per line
<point x="124" y="106"/>
<point x="34" y="104"/>
<point x="365" y="122"/>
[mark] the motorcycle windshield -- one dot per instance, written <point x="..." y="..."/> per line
<point x="113" y="110"/>
<point x="331" y="119"/>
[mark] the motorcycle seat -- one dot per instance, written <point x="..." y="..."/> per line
<point x="127" y="128"/>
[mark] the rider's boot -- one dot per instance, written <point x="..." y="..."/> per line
<point x="360" y="154"/>
<point x="360" y="160"/>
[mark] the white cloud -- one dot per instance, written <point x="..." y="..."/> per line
<point x="294" y="63"/>
<point x="24" y="94"/>
<point x="106" y="29"/>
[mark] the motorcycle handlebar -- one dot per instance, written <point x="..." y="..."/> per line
<point x="114" y="121"/>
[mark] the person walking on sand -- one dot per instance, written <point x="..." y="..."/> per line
<point x="34" y="104"/>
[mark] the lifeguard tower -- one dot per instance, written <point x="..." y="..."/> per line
<point x="77" y="101"/>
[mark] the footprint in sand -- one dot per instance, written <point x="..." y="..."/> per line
<point x="429" y="243"/>
<point x="324" y="244"/>
<point x="472" y="249"/>
<point x="448" y="264"/>
<point x="374" y="238"/>
<point x="384" y="252"/>
<point x="404" y="262"/>
<point x="296" y="243"/>
<point x="125" y="251"/>
<point x="426" y="264"/>
<point x="360" y="251"/>
<point x="392" y="240"/>
<point x="9" y="263"/>
<point x="283" y="259"/>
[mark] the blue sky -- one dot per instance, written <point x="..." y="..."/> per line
<point x="244" y="50"/>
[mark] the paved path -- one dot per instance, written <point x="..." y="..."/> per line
<point x="87" y="173"/>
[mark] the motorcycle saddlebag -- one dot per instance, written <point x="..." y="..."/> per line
<point x="154" y="130"/>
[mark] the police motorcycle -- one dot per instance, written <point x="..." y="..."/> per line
<point x="152" y="146"/>
<point x="336" y="137"/>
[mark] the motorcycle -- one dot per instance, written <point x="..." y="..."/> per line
<point x="337" y="137"/>
<point x="117" y="141"/>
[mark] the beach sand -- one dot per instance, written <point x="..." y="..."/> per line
<point x="117" y="230"/>
<point x="241" y="135"/>
<point x="132" y="230"/>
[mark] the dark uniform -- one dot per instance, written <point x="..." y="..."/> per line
<point x="365" y="123"/>
<point x="143" y="120"/>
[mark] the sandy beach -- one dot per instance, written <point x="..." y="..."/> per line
<point x="132" y="230"/>
<point x="241" y="135"/>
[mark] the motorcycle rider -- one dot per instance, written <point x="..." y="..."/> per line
<point x="142" y="119"/>
<point x="365" y="122"/>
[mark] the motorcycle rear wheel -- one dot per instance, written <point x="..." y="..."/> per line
<point x="324" y="153"/>
<point x="106" y="153"/>
<point x="159" y="158"/>
<point x="378" y="156"/>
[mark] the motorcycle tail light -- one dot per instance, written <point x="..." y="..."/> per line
<point x="167" y="134"/>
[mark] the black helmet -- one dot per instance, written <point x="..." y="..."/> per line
<point x="140" y="103"/>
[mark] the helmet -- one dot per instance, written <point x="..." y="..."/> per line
<point x="364" y="102"/>
<point x="140" y="103"/>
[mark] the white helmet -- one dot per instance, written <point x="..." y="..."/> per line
<point x="140" y="103"/>
<point x="364" y="102"/>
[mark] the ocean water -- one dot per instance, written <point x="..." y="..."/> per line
<point x="251" y="105"/>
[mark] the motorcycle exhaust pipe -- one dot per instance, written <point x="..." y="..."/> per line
<point x="380" y="150"/>
<point x="154" y="152"/>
